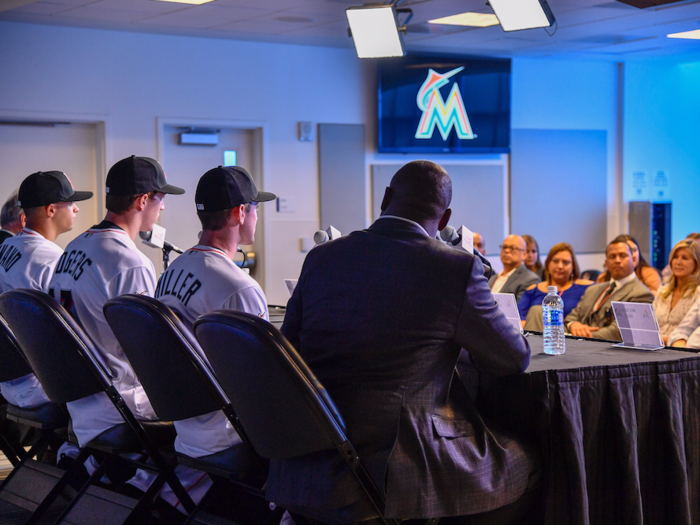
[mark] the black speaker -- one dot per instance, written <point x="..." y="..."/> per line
<point x="660" y="234"/>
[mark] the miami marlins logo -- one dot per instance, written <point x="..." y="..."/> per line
<point x="437" y="113"/>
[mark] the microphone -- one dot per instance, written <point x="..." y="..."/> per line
<point x="320" y="237"/>
<point x="156" y="239"/>
<point x="451" y="237"/>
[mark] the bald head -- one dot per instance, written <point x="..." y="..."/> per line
<point x="512" y="252"/>
<point x="420" y="191"/>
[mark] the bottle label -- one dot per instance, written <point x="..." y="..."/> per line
<point x="554" y="317"/>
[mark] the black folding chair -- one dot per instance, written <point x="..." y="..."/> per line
<point x="283" y="408"/>
<point x="32" y="485"/>
<point x="63" y="358"/>
<point x="180" y="384"/>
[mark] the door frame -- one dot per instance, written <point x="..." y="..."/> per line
<point x="260" y="138"/>
<point x="103" y="139"/>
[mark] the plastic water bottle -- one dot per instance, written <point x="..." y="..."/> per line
<point x="553" y="317"/>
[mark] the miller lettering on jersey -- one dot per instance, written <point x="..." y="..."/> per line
<point x="9" y="255"/>
<point x="73" y="263"/>
<point x="166" y="286"/>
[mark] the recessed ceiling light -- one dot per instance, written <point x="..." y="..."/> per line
<point x="467" y="19"/>
<point x="690" y="35"/>
<point x="193" y="2"/>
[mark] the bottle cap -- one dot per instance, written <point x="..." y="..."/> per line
<point x="551" y="289"/>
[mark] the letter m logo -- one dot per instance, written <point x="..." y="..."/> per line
<point x="441" y="114"/>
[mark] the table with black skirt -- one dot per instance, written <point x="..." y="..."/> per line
<point x="618" y="430"/>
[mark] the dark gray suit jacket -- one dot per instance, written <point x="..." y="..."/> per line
<point x="380" y="316"/>
<point x="518" y="282"/>
<point x="632" y="292"/>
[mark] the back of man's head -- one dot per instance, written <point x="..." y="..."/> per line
<point x="420" y="190"/>
<point x="11" y="214"/>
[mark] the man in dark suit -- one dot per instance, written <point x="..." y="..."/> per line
<point x="380" y="316"/>
<point x="515" y="277"/>
<point x="593" y="316"/>
<point x="12" y="218"/>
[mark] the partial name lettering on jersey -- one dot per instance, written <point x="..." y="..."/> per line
<point x="73" y="263"/>
<point x="181" y="284"/>
<point x="9" y="255"/>
<point x="204" y="279"/>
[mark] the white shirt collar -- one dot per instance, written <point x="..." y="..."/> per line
<point x="405" y="220"/>
<point x="620" y="283"/>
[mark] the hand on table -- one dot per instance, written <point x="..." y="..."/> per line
<point x="582" y="330"/>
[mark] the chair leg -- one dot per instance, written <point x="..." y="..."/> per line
<point x="58" y="488"/>
<point x="33" y="451"/>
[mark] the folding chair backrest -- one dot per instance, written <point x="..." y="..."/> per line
<point x="57" y="349"/>
<point x="13" y="364"/>
<point x="164" y="354"/>
<point x="283" y="408"/>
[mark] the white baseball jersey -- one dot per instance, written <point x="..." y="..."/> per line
<point x="100" y="264"/>
<point x="199" y="281"/>
<point x="27" y="260"/>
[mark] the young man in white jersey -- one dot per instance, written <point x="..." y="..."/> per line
<point x="205" y="278"/>
<point x="27" y="260"/>
<point x="103" y="263"/>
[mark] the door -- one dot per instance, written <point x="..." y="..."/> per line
<point x="185" y="164"/>
<point x="70" y="148"/>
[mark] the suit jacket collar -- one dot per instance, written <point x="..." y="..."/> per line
<point x="390" y="222"/>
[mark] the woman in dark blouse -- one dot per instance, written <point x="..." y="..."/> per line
<point x="561" y="270"/>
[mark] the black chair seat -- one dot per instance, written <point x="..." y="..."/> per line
<point x="48" y="416"/>
<point x="235" y="464"/>
<point x="121" y="439"/>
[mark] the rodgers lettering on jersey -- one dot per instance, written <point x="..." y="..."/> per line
<point x="73" y="263"/>
<point x="182" y="287"/>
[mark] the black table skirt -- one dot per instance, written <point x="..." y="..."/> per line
<point x="619" y="438"/>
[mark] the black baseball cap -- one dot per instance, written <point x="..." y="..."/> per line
<point x="47" y="187"/>
<point x="136" y="175"/>
<point x="224" y="188"/>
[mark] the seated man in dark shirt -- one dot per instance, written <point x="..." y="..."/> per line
<point x="380" y="316"/>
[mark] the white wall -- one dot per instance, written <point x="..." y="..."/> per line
<point x="132" y="79"/>
<point x="662" y="116"/>
<point x="129" y="80"/>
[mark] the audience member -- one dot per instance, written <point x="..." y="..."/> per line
<point x="532" y="256"/>
<point x="562" y="271"/>
<point x="479" y="243"/>
<point x="648" y="275"/>
<point x="384" y="344"/>
<point x="12" y="218"/>
<point x="687" y="334"/>
<point x="593" y="316"/>
<point x="28" y="258"/>
<point x="515" y="277"/>
<point x="675" y="299"/>
<point x="666" y="272"/>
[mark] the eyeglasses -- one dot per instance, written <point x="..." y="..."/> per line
<point x="508" y="248"/>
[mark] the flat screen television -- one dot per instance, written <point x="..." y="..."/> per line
<point x="444" y="104"/>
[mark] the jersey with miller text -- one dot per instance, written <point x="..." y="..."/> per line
<point x="27" y="260"/>
<point x="205" y="279"/>
<point x="199" y="281"/>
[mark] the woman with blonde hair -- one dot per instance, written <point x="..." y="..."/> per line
<point x="560" y="270"/>
<point x="678" y="298"/>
